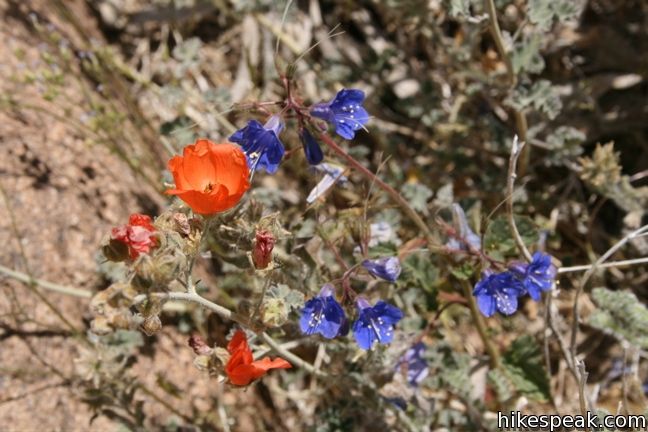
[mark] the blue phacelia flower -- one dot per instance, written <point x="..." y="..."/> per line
<point x="466" y="237"/>
<point x="345" y="111"/>
<point x="323" y="314"/>
<point x="312" y="149"/>
<point x="375" y="323"/>
<point x="387" y="268"/>
<point x="498" y="292"/>
<point x="537" y="276"/>
<point x="261" y="144"/>
<point x="413" y="363"/>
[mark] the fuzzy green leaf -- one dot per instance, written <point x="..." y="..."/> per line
<point x="523" y="365"/>
<point x="621" y="315"/>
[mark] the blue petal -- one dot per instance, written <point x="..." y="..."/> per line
<point x="345" y="130"/>
<point x="262" y="147"/>
<point x="363" y="334"/>
<point x="534" y="290"/>
<point x="308" y="321"/>
<point x="323" y="111"/>
<point x="486" y="304"/>
<point x="507" y="302"/>
<point x="347" y="97"/>
<point x="389" y="313"/>
<point x="312" y="149"/>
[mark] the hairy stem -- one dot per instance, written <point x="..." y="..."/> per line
<point x="478" y="319"/>
<point x="228" y="314"/>
<point x="520" y="117"/>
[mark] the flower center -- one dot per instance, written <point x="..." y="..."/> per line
<point x="209" y="187"/>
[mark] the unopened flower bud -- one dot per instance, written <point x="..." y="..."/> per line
<point x="181" y="223"/>
<point x="199" y="346"/>
<point x="151" y="325"/>
<point x="263" y="245"/>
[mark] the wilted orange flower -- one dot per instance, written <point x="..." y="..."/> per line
<point x="210" y="178"/>
<point x="139" y="235"/>
<point x="241" y="369"/>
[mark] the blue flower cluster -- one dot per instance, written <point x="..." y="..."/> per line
<point x="500" y="291"/>
<point x="324" y="315"/>
<point x="264" y="150"/>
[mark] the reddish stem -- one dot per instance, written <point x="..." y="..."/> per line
<point x="393" y="193"/>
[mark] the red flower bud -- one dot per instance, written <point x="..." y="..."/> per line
<point x="138" y="235"/>
<point x="263" y="245"/>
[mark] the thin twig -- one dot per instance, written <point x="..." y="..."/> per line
<point x="582" y="381"/>
<point x="50" y="286"/>
<point x="516" y="150"/>
<point x="297" y="361"/>
<point x="606" y="265"/>
<point x="30" y="284"/>
<point x="588" y="274"/>
<point x="520" y="118"/>
<point x="228" y="314"/>
<point x="561" y="342"/>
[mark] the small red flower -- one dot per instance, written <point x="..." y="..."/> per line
<point x="263" y="245"/>
<point x="241" y="368"/>
<point x="138" y="235"/>
<point x="210" y="177"/>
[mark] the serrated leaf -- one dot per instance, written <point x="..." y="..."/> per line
<point x="420" y="272"/>
<point x="621" y="315"/>
<point x="526" y="55"/>
<point x="523" y="365"/>
<point x="459" y="8"/>
<point x="543" y="12"/>
<point x="565" y="144"/>
<point x="292" y="298"/>
<point x="498" y="241"/>
<point x="541" y="96"/>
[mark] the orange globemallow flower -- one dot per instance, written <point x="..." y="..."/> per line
<point x="241" y="369"/>
<point x="210" y="177"/>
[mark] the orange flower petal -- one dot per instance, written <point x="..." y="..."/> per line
<point x="210" y="178"/>
<point x="231" y="165"/>
<point x="266" y="364"/>
<point x="204" y="203"/>
<point x="239" y="341"/>
<point x="241" y="369"/>
<point x="198" y="167"/>
<point x="244" y="374"/>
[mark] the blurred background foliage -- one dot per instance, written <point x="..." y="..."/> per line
<point x="144" y="78"/>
